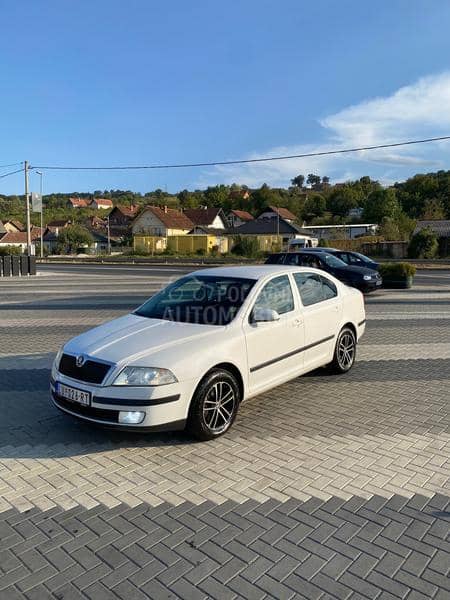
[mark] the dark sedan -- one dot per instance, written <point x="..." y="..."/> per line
<point x="362" y="278"/>
<point x="355" y="259"/>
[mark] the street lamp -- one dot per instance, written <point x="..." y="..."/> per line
<point x="42" y="211"/>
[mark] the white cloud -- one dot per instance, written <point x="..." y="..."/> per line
<point x="418" y="110"/>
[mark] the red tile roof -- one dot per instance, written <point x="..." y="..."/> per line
<point x="171" y="218"/>
<point x="202" y="216"/>
<point x="243" y="215"/>
<point x="283" y="212"/>
<point x="127" y="211"/>
<point x="79" y="202"/>
<point x="103" y="201"/>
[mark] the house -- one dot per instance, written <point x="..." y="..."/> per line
<point x="2" y="229"/>
<point x="78" y="203"/>
<point x="272" y="234"/>
<point x="339" y="232"/>
<point x="56" y="226"/>
<point x="121" y="217"/>
<point x="242" y="194"/>
<point x="274" y="212"/>
<point x="207" y="217"/>
<point x="236" y="218"/>
<point x="95" y="223"/>
<point x="101" y="203"/>
<point x="19" y="239"/>
<point x="13" y="226"/>
<point x="162" y="222"/>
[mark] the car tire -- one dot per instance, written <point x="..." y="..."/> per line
<point x="344" y="351"/>
<point x="214" y="405"/>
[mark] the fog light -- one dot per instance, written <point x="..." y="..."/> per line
<point x="132" y="417"/>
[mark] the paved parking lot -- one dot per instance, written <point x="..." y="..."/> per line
<point x="327" y="487"/>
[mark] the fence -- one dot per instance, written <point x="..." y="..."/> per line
<point x="16" y="266"/>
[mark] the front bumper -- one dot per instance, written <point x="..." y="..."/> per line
<point x="164" y="407"/>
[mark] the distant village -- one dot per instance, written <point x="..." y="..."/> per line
<point x="156" y="229"/>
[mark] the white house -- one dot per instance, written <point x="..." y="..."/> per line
<point x="207" y="217"/>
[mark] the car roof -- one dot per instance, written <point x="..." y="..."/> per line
<point x="250" y="271"/>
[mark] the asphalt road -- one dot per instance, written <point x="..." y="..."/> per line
<point x="424" y="277"/>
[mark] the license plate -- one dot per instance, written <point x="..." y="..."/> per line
<point x="378" y="283"/>
<point x="73" y="394"/>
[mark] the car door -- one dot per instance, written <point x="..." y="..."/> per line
<point x="274" y="349"/>
<point x="322" y="314"/>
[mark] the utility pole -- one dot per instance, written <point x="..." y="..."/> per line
<point x="109" y="236"/>
<point x="27" y="200"/>
<point x="42" y="214"/>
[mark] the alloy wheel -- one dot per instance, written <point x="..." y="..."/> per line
<point x="219" y="407"/>
<point x="346" y="350"/>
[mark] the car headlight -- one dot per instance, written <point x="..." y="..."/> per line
<point x="367" y="277"/>
<point x="144" y="376"/>
<point x="56" y="361"/>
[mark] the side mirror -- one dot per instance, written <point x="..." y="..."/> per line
<point x="264" y="315"/>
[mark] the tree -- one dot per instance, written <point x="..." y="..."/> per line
<point x="265" y="196"/>
<point x="424" y="244"/>
<point x="342" y="199"/>
<point x="73" y="237"/>
<point x="315" y="206"/>
<point x="433" y="209"/>
<point x="217" y="195"/>
<point x="313" y="181"/>
<point x="298" y="181"/>
<point x="325" y="181"/>
<point x="380" y="204"/>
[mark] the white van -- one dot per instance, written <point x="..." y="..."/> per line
<point x="302" y="242"/>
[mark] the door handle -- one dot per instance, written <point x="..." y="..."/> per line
<point x="298" y="322"/>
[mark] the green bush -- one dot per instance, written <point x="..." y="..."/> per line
<point x="200" y="252"/>
<point x="397" y="270"/>
<point x="246" y="246"/>
<point x="10" y="250"/>
<point x="424" y="244"/>
<point x="323" y="243"/>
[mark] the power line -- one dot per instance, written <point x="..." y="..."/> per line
<point x="11" y="165"/>
<point x="244" y="161"/>
<point x="11" y="173"/>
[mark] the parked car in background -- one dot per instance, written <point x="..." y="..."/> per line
<point x="189" y="355"/>
<point x="362" y="278"/>
<point x="351" y="258"/>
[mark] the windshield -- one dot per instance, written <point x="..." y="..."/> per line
<point x="362" y="257"/>
<point x="200" y="299"/>
<point x="333" y="261"/>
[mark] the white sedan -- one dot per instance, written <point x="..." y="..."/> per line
<point x="189" y="355"/>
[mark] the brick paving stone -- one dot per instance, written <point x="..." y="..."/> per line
<point x="86" y="513"/>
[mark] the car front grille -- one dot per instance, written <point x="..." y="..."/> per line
<point x="90" y="372"/>
<point x="99" y="414"/>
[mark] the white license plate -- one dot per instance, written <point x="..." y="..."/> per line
<point x="378" y="283"/>
<point x="73" y="394"/>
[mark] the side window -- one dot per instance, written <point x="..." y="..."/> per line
<point x="292" y="259"/>
<point x="310" y="288"/>
<point x="276" y="295"/>
<point x="344" y="256"/>
<point x="314" y="288"/>
<point x="329" y="289"/>
<point x="353" y="259"/>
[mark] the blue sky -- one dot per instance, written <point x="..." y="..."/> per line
<point x="108" y="82"/>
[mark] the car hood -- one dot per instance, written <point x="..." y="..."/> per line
<point x="354" y="271"/>
<point x="132" y="337"/>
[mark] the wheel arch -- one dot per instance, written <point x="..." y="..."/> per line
<point x="351" y="326"/>
<point x="231" y="368"/>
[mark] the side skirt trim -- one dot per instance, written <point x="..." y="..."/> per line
<point x="289" y="354"/>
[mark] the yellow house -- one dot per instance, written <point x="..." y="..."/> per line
<point x="161" y="222"/>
